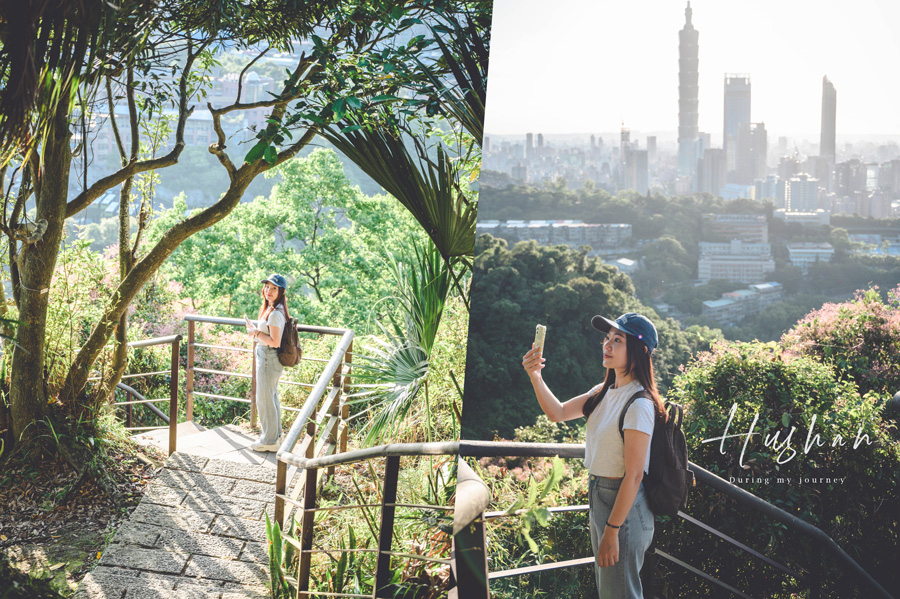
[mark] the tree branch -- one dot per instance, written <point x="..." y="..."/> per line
<point x="125" y="293"/>
<point x="305" y="67"/>
<point x="114" y="124"/>
<point x="244" y="70"/>
<point x="292" y="151"/>
<point x="133" y="114"/>
<point x="218" y="148"/>
<point x="84" y="199"/>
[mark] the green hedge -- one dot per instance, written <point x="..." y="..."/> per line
<point x="850" y="493"/>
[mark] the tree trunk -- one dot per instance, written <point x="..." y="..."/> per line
<point x="76" y="379"/>
<point x="126" y="263"/>
<point x="36" y="264"/>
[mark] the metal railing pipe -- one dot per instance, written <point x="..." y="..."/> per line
<point x="494" y="449"/>
<point x="144" y="400"/>
<point x="469" y="535"/>
<point x="791" y="521"/>
<point x="303" y="328"/>
<point x="379" y="451"/>
<point x="316" y="394"/>
<point x="472" y="497"/>
<point x="154" y="341"/>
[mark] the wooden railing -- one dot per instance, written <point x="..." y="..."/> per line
<point x="133" y="397"/>
<point x="388" y="506"/>
<point x="192" y="369"/>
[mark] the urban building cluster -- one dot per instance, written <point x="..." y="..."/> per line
<point x="737" y="249"/>
<point x="572" y="233"/>
<point x="806" y="187"/>
<point x="736" y="305"/>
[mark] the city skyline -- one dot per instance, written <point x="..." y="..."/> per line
<point x="606" y="75"/>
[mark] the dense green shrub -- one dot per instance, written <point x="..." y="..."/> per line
<point x="861" y="337"/>
<point x="795" y="398"/>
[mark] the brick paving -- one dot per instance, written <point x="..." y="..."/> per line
<point x="199" y="532"/>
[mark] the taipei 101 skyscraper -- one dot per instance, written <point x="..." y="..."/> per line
<point x="688" y="92"/>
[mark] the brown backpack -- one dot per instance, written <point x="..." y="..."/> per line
<point x="290" y="352"/>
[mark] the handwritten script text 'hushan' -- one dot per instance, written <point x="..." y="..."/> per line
<point x="784" y="447"/>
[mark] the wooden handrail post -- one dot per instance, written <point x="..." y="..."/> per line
<point x="128" y="423"/>
<point x="345" y="408"/>
<point x="386" y="534"/>
<point x="280" y="491"/>
<point x="253" y="388"/>
<point x="173" y="398"/>
<point x="470" y="558"/>
<point x="306" y="530"/>
<point x="189" y="375"/>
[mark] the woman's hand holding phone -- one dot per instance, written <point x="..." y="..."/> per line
<point x="533" y="361"/>
<point x="251" y="330"/>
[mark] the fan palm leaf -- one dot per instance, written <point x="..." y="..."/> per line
<point x="394" y="368"/>
<point x="464" y="53"/>
<point x="427" y="187"/>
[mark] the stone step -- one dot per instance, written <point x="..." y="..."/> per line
<point x="160" y="436"/>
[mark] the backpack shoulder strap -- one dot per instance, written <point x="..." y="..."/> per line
<point x="642" y="393"/>
<point x="675" y="414"/>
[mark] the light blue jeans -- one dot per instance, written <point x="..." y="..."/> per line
<point x="268" y="371"/>
<point x="622" y="580"/>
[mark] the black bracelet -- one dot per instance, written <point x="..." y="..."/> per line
<point x="611" y="526"/>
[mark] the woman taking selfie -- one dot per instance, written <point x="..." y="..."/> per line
<point x="273" y="313"/>
<point x="621" y="522"/>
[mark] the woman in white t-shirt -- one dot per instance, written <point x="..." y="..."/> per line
<point x="620" y="520"/>
<point x="273" y="313"/>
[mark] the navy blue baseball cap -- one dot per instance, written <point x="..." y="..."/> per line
<point x="277" y="280"/>
<point x="632" y="323"/>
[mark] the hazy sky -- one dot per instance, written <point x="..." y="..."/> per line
<point x="573" y="66"/>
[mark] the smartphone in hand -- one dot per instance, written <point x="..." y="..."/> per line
<point x="247" y="321"/>
<point x="540" y="332"/>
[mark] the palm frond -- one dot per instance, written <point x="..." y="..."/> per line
<point x="464" y="52"/>
<point x="397" y="368"/>
<point x="426" y="283"/>
<point x="427" y="187"/>
<point x="392" y="369"/>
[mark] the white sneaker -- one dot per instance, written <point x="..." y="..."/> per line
<point x="262" y="447"/>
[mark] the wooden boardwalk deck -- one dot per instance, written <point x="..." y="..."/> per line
<point x="199" y="531"/>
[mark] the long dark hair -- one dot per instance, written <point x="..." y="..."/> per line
<point x="279" y="301"/>
<point x="638" y="363"/>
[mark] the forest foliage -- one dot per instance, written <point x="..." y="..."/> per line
<point x="331" y="240"/>
<point x="514" y="289"/>
<point x="824" y="447"/>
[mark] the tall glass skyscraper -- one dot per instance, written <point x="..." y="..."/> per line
<point x="737" y="111"/>
<point x="688" y="92"/>
<point x="829" y="119"/>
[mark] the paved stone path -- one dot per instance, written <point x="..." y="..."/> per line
<point x="199" y="532"/>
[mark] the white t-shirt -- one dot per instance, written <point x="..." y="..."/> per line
<point x="275" y="319"/>
<point x="604" y="450"/>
